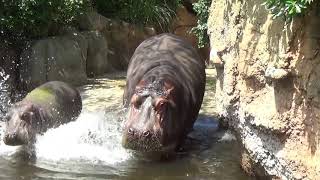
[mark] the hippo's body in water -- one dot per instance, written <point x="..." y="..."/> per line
<point x="47" y="106"/>
<point x="164" y="92"/>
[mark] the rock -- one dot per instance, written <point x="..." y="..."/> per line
<point x="182" y="25"/>
<point x="92" y="21"/>
<point x="123" y="38"/>
<point x="116" y="35"/>
<point x="215" y="58"/>
<point x="57" y="58"/>
<point x="277" y="123"/>
<point x="276" y="73"/>
<point x="97" y="54"/>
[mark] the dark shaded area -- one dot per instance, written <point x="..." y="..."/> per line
<point x="189" y="6"/>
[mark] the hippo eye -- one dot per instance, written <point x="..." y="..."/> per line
<point x="137" y="101"/>
<point x="24" y="116"/>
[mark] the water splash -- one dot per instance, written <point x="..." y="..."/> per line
<point x="94" y="137"/>
<point x="5" y="100"/>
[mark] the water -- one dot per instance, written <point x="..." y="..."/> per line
<point x="90" y="148"/>
<point x="4" y="92"/>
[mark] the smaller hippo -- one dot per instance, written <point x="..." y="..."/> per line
<point x="47" y="106"/>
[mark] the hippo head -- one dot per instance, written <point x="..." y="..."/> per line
<point x="153" y="123"/>
<point x="21" y="124"/>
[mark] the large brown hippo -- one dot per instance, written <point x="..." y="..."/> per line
<point x="164" y="92"/>
<point x="47" y="106"/>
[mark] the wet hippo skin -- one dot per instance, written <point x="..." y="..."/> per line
<point x="164" y="92"/>
<point x="47" y="106"/>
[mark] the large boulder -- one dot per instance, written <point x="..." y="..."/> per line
<point x="123" y="38"/>
<point x="183" y="23"/>
<point x="92" y="21"/>
<point x="57" y="58"/>
<point x="97" y="54"/>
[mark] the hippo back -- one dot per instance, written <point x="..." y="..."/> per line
<point x="59" y="100"/>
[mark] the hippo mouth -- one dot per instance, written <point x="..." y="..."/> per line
<point x="148" y="127"/>
<point x="13" y="140"/>
<point x="146" y="144"/>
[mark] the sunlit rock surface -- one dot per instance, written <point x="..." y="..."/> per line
<point x="275" y="114"/>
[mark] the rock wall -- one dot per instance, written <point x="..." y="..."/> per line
<point x="268" y="85"/>
<point x="122" y="38"/>
<point x="102" y="46"/>
<point x="60" y="58"/>
<point x="182" y="25"/>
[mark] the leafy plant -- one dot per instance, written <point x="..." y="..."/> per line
<point x="201" y="7"/>
<point x="287" y="8"/>
<point x="34" y="18"/>
<point x="144" y="12"/>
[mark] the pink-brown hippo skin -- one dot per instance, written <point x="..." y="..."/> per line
<point x="47" y="106"/>
<point x="164" y="92"/>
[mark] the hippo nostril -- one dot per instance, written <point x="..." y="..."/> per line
<point x="131" y="131"/>
<point x="146" y="134"/>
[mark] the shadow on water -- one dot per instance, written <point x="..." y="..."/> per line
<point x="90" y="148"/>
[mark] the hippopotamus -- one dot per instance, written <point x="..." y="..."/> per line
<point x="164" y="91"/>
<point x="47" y="106"/>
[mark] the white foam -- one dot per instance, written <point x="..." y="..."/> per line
<point x="93" y="138"/>
<point x="227" y="136"/>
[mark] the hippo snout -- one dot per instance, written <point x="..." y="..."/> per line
<point x="143" y="134"/>
<point x="141" y="140"/>
<point x="12" y="139"/>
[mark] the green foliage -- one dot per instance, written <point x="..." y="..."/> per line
<point x="144" y="12"/>
<point x="202" y="9"/>
<point x="34" y="18"/>
<point x="287" y="8"/>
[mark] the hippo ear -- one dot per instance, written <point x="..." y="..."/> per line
<point x="30" y="106"/>
<point x="169" y="88"/>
